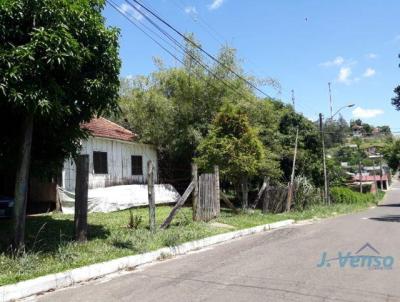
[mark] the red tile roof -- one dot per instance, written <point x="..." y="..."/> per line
<point x="369" y="177"/>
<point x="101" y="127"/>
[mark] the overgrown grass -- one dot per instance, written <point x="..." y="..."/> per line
<point x="50" y="247"/>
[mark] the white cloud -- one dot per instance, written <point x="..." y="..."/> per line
<point x="215" y="4"/>
<point x="128" y="9"/>
<point x="371" y="56"/>
<point x="190" y="10"/>
<point x="344" y="75"/>
<point x="369" y="72"/>
<point x="366" y="113"/>
<point x="335" y="62"/>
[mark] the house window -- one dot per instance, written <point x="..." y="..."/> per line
<point x="137" y="165"/>
<point x="100" y="162"/>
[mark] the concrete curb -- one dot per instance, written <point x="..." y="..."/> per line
<point x="60" y="280"/>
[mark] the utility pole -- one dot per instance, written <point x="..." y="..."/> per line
<point x="381" y="172"/>
<point x="326" y="189"/>
<point x="375" y="182"/>
<point x="290" y="192"/>
<point x="359" y="173"/>
<point x="294" y="107"/>
<point x="330" y="99"/>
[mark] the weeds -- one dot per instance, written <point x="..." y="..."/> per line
<point x="134" y="220"/>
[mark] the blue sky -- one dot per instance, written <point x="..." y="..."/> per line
<point x="304" y="44"/>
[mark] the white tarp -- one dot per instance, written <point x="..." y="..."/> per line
<point x="117" y="198"/>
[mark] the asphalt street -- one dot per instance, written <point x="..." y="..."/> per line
<point x="274" y="266"/>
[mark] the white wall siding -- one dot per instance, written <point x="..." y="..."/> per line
<point x="118" y="163"/>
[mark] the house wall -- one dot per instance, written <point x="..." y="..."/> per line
<point x="118" y="161"/>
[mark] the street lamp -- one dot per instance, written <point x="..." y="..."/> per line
<point x="326" y="185"/>
<point x="341" y="108"/>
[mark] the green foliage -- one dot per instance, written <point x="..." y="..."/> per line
<point x="336" y="132"/>
<point x="309" y="155"/>
<point x="234" y="146"/>
<point x="306" y="194"/>
<point x="134" y="221"/>
<point x="396" y="98"/>
<point x="346" y="195"/>
<point x="391" y="153"/>
<point x="173" y="108"/>
<point x="59" y="63"/>
<point x="110" y="239"/>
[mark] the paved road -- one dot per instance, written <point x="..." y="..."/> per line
<point x="275" y="266"/>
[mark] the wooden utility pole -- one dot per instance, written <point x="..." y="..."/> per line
<point x="326" y="186"/>
<point x="217" y="197"/>
<point x="380" y="171"/>
<point x="81" y="197"/>
<point x="195" y="203"/>
<point x="290" y="192"/>
<point x="151" y="196"/>
<point x="330" y="99"/>
<point x="293" y="100"/>
<point x="21" y="183"/>
<point x="360" y="176"/>
<point x="375" y="182"/>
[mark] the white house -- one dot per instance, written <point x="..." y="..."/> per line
<point x="114" y="157"/>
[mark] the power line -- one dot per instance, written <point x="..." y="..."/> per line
<point x="203" y="65"/>
<point x="112" y="3"/>
<point x="199" y="47"/>
<point x="169" y="52"/>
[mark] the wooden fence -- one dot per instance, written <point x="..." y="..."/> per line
<point x="208" y="205"/>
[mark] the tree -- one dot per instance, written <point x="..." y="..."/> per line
<point x="335" y="132"/>
<point x="59" y="67"/>
<point x="396" y="98"/>
<point x="391" y="153"/>
<point x="385" y="130"/>
<point x="235" y="147"/>
<point x="173" y="107"/>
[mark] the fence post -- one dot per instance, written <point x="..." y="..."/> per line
<point x="195" y="202"/>
<point x="245" y="193"/>
<point x="81" y="197"/>
<point x="265" y="201"/>
<point x="217" y="198"/>
<point x="151" y="196"/>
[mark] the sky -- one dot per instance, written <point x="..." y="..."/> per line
<point x="304" y="44"/>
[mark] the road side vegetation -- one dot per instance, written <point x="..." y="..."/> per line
<point x="346" y="195"/>
<point x="59" y="67"/>
<point x="50" y="247"/>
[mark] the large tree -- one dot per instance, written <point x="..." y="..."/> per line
<point x="235" y="147"/>
<point x="59" y="67"/>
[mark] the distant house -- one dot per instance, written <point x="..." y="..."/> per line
<point x="115" y="158"/>
<point x="376" y="131"/>
<point x="358" y="130"/>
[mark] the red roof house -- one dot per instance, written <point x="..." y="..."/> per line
<point x="101" y="127"/>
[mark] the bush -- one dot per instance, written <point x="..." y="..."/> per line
<point x="305" y="194"/>
<point x="346" y="195"/>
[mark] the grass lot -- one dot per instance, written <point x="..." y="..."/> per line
<point x="50" y="247"/>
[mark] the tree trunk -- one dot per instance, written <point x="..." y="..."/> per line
<point x="21" y="183"/>
<point x="265" y="202"/>
<point x="81" y="197"/>
<point x="195" y="202"/>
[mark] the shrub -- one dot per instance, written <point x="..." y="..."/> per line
<point x="305" y="194"/>
<point x="346" y="195"/>
<point x="134" y="221"/>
